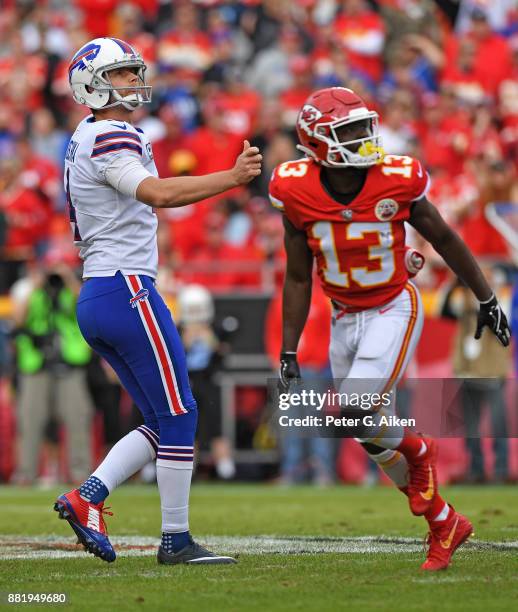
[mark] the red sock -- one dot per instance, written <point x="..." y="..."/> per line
<point x="436" y="508"/>
<point x="411" y="445"/>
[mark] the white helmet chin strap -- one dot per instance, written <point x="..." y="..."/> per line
<point x="130" y="102"/>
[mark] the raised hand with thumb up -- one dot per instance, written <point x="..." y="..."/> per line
<point x="248" y="164"/>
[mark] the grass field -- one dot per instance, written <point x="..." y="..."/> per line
<point x="299" y="549"/>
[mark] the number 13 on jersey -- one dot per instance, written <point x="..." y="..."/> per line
<point x="335" y="272"/>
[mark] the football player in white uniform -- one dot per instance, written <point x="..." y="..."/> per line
<point x="112" y="188"/>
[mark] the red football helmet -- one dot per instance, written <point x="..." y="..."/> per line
<point x="323" y="113"/>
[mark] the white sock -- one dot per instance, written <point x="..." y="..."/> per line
<point x="395" y="466"/>
<point x="174" y="484"/>
<point x="129" y="455"/>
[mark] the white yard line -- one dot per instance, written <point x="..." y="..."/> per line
<point x="56" y="547"/>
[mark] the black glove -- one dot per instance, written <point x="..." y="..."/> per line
<point x="493" y="316"/>
<point x="289" y="371"/>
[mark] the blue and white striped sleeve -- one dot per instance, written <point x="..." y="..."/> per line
<point x="116" y="141"/>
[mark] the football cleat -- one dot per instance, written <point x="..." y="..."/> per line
<point x="422" y="485"/>
<point x="192" y="554"/>
<point x="87" y="521"/>
<point x="444" y="540"/>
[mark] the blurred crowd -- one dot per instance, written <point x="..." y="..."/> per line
<point x="442" y="74"/>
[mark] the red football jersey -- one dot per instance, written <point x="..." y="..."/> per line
<point x="359" y="247"/>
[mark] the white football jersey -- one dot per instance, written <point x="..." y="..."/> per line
<point x="113" y="231"/>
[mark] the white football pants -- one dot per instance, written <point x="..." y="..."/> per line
<point x="370" y="350"/>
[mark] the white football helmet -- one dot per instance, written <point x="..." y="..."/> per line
<point x="196" y="305"/>
<point x="89" y="77"/>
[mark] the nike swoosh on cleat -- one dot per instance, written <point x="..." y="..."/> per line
<point x="93" y="519"/>
<point x="210" y="560"/>
<point x="447" y="543"/>
<point x="428" y="494"/>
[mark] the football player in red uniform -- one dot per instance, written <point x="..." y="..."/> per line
<point x="345" y="205"/>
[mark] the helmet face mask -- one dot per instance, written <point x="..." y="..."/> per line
<point x="136" y="94"/>
<point x="90" y="79"/>
<point x="318" y="128"/>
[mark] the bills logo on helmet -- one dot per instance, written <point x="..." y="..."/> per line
<point x="386" y="209"/>
<point x="89" y="52"/>
<point x="308" y="115"/>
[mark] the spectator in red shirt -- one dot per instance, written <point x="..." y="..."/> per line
<point x="361" y="31"/>
<point x="485" y="139"/>
<point x="212" y="145"/>
<point x="185" y="48"/>
<point x="25" y="214"/>
<point x="219" y="266"/>
<point x="456" y="197"/>
<point x="240" y="104"/>
<point x="173" y="142"/>
<point x="183" y="228"/>
<point x="292" y="99"/>
<point x="444" y="137"/>
<point x="314" y="343"/>
<point x="97" y="16"/>
<point x="492" y="58"/>
<point x="22" y="75"/>
<point x="497" y="183"/>
<point x="43" y="177"/>
<point x="464" y="76"/>
<point x="508" y="104"/>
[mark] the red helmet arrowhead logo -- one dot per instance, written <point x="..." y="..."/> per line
<point x="308" y="115"/>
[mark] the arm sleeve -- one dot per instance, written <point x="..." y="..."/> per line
<point x="125" y="173"/>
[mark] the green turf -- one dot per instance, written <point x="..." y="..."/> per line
<point x="478" y="580"/>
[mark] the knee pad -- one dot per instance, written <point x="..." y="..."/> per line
<point x="178" y="430"/>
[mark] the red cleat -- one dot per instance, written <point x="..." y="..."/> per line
<point x="87" y="520"/>
<point x="422" y="485"/>
<point x="444" y="540"/>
